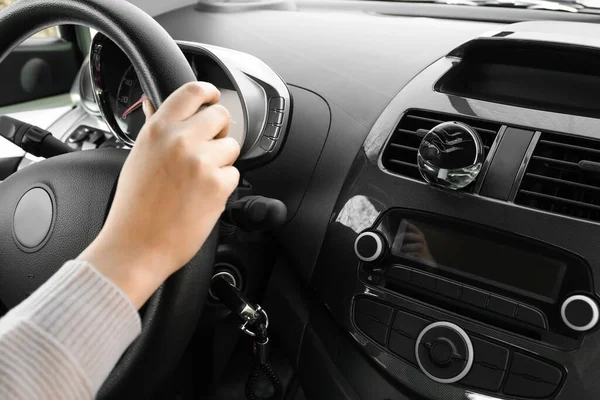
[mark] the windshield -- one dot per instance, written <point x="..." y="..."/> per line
<point x="572" y="6"/>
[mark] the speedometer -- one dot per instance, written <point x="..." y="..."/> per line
<point x="258" y="100"/>
<point x="130" y="116"/>
<point x="128" y="110"/>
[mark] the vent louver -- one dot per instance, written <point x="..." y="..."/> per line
<point x="563" y="177"/>
<point x="400" y="155"/>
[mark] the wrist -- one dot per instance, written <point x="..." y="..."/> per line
<point x="137" y="272"/>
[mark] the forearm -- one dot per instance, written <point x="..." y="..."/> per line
<point x="63" y="341"/>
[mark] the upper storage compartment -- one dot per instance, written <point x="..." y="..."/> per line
<point x="562" y="78"/>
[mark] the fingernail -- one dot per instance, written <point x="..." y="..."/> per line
<point x="145" y="107"/>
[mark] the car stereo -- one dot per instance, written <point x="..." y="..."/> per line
<point x="492" y="276"/>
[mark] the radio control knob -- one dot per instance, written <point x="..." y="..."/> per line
<point x="580" y="313"/>
<point x="369" y="246"/>
<point x="444" y="352"/>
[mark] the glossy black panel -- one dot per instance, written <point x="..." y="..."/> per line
<point x="370" y="190"/>
<point x="503" y="169"/>
<point x="306" y="137"/>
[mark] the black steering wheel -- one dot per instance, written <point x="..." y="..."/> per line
<point x="79" y="188"/>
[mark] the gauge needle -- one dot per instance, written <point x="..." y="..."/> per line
<point x="134" y="106"/>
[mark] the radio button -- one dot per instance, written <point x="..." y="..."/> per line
<point x="521" y="386"/>
<point x="579" y="313"/>
<point x="399" y="274"/>
<point x="403" y="346"/>
<point x="474" y="297"/>
<point x="422" y="280"/>
<point x="484" y="377"/>
<point x="502" y="306"/>
<point x="531" y="316"/>
<point x="373" y="329"/>
<point x="408" y="324"/>
<point x="447" y="288"/>
<point x="373" y="319"/>
<point x="534" y="368"/>
<point x="529" y="377"/>
<point x="489" y="366"/>
<point x="377" y="311"/>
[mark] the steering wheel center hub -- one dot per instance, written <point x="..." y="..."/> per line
<point x="33" y="219"/>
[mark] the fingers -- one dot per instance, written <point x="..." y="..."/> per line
<point x="148" y="108"/>
<point x="221" y="152"/>
<point x="413" y="248"/>
<point x="230" y="177"/>
<point x="187" y="100"/>
<point x="211" y="122"/>
<point x="413" y="238"/>
<point x="413" y="228"/>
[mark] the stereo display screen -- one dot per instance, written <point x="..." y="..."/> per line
<point x="476" y="257"/>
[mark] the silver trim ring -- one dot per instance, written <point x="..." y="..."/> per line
<point x="590" y="302"/>
<point x="465" y="337"/>
<point x="222" y="273"/>
<point x="378" y="251"/>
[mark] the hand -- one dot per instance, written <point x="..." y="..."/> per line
<point x="415" y="244"/>
<point x="171" y="192"/>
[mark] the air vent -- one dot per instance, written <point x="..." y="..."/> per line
<point x="400" y="155"/>
<point x="563" y="177"/>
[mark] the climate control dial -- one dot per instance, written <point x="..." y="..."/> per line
<point x="444" y="352"/>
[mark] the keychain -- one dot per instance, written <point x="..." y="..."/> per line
<point x="256" y="322"/>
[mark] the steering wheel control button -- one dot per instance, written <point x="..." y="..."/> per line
<point x="373" y="319"/>
<point x="369" y="246"/>
<point x="267" y="144"/>
<point x="272" y="131"/>
<point x="579" y="313"/>
<point x="444" y="352"/>
<point x="275" y="117"/>
<point x="33" y="218"/>
<point x="277" y="104"/>
<point x="532" y="378"/>
<point x="489" y="366"/>
<point x="450" y="155"/>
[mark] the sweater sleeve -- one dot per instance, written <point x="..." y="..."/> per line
<point x="63" y="341"/>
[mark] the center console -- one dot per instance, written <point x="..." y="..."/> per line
<point x="463" y="252"/>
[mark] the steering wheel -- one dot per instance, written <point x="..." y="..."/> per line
<point x="71" y="194"/>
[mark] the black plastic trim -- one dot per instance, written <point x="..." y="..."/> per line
<point x="506" y="163"/>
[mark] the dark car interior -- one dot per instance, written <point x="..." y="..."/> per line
<point x="418" y="214"/>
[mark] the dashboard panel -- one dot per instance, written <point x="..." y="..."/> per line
<point x="424" y="255"/>
<point x="347" y="115"/>
<point x="257" y="99"/>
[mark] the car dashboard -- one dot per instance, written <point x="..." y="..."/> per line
<point x="482" y="291"/>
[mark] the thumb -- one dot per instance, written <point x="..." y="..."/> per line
<point x="148" y="108"/>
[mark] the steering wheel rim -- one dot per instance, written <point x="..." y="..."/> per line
<point x="172" y="313"/>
